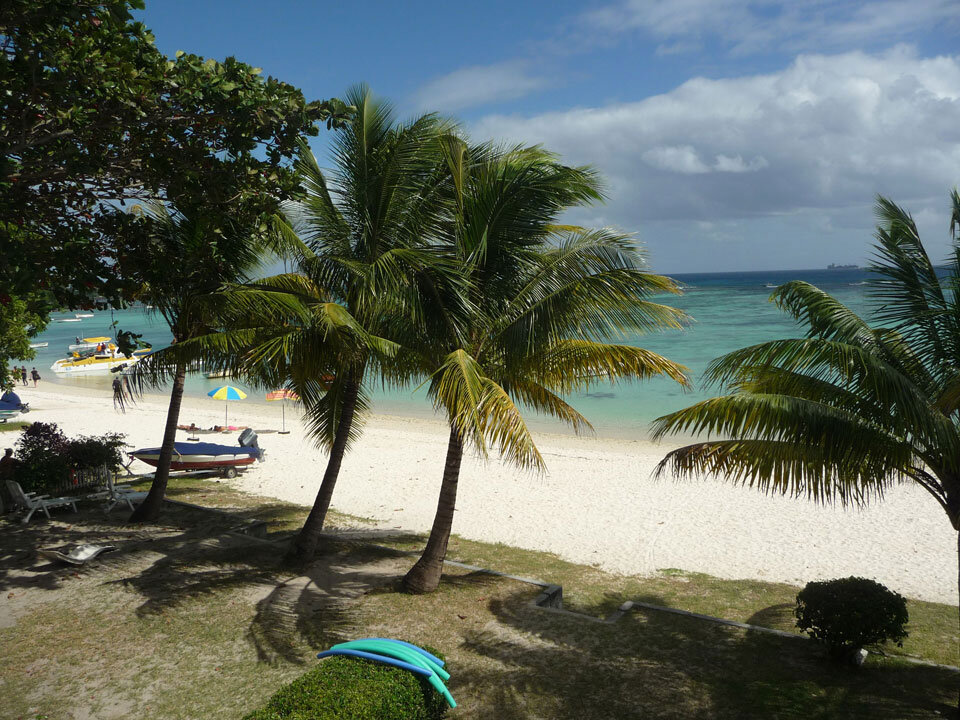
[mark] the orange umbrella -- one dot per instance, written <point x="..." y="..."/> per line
<point x="283" y="394"/>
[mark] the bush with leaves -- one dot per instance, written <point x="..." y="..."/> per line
<point x="850" y="613"/>
<point x="88" y="452"/>
<point x="42" y="450"/>
<point x="343" y="688"/>
<point x="47" y="457"/>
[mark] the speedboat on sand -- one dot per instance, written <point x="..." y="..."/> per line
<point x="208" y="456"/>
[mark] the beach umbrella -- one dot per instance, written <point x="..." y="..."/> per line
<point x="283" y="395"/>
<point x="227" y="392"/>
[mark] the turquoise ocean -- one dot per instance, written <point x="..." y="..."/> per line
<point x="729" y="311"/>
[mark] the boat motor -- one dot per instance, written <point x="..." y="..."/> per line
<point x="248" y="438"/>
<point x="11" y="398"/>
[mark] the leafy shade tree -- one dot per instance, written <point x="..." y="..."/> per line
<point x="363" y="224"/>
<point x="541" y="297"/>
<point x="22" y="317"/>
<point x="850" y="410"/>
<point x="207" y="255"/>
<point x="93" y="115"/>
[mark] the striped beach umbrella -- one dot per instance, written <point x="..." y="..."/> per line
<point x="283" y="394"/>
<point x="227" y="393"/>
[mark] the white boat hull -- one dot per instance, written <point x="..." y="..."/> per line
<point x="90" y="366"/>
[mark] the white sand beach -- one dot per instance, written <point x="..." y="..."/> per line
<point x="597" y="504"/>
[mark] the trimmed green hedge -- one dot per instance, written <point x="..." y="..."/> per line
<point x="346" y="688"/>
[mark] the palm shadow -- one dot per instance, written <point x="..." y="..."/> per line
<point x="652" y="664"/>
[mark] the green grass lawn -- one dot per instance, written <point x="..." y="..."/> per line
<point x="933" y="626"/>
<point x="185" y="622"/>
<point x="11" y="426"/>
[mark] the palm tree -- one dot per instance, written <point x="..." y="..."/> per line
<point x="540" y="296"/>
<point x="181" y="260"/>
<point x="364" y="226"/>
<point x="849" y="410"/>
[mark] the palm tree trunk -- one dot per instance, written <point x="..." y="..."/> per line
<point x="425" y="575"/>
<point x="305" y="544"/>
<point x="149" y="509"/>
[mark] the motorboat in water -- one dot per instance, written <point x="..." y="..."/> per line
<point x="83" y="315"/>
<point x="89" y="343"/>
<point x="208" y="456"/>
<point x="11" y="406"/>
<point x="105" y="360"/>
<point x="34" y="346"/>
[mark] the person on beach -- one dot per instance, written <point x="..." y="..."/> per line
<point x="35" y="376"/>
<point x="7" y="467"/>
<point x="23" y="374"/>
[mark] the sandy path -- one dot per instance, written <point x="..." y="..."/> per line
<point x="597" y="504"/>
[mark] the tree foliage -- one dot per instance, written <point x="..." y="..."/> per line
<point x="542" y="300"/>
<point x="93" y="115"/>
<point x="22" y="318"/>
<point x="851" y="409"/>
<point x="850" y="613"/>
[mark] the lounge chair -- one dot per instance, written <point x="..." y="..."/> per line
<point x="116" y="496"/>
<point x="32" y="502"/>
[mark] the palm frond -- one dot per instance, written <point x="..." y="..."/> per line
<point x="571" y="365"/>
<point x="824" y="474"/>
<point x="542" y="400"/>
<point x="909" y="292"/>
<point x="825" y="316"/>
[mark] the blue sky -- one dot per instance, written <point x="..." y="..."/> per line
<point x="733" y="135"/>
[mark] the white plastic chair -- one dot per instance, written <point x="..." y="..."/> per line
<point x="32" y="502"/>
<point x="116" y="496"/>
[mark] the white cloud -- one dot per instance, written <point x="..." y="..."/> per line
<point x="478" y="85"/>
<point x="682" y="159"/>
<point x="820" y="138"/>
<point x="746" y="26"/>
<point x="685" y="160"/>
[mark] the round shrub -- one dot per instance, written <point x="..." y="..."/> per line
<point x="346" y="688"/>
<point x="849" y="613"/>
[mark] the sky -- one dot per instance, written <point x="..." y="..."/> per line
<point x="731" y="135"/>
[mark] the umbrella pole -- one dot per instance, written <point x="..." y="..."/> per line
<point x="283" y="417"/>
<point x="225" y="405"/>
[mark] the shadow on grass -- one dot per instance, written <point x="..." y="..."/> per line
<point x="655" y="665"/>
<point x="191" y="557"/>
